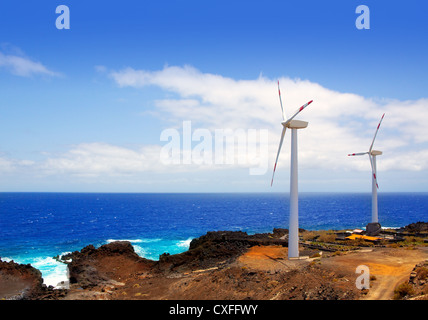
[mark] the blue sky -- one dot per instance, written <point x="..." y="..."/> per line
<point x="73" y="119"/>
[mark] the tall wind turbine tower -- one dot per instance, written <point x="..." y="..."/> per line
<point x="294" y="125"/>
<point x="372" y="157"/>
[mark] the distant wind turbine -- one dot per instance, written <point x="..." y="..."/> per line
<point x="293" y="233"/>
<point x="372" y="156"/>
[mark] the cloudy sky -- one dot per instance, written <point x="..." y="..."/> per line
<point x="181" y="96"/>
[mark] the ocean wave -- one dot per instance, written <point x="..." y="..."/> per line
<point x="53" y="271"/>
<point x="184" y="243"/>
<point x="152" y="248"/>
<point x="141" y="252"/>
<point x="6" y="259"/>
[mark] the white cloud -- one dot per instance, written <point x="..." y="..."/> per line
<point x="95" y="159"/>
<point x="6" y="165"/>
<point x="339" y="123"/>
<point x="102" y="159"/>
<point x="24" y="67"/>
<point x="211" y="99"/>
<point x="11" y="166"/>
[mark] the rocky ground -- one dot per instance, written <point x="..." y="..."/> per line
<point x="23" y="282"/>
<point x="233" y="266"/>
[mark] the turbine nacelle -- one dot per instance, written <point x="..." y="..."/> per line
<point x="295" y="124"/>
<point x="376" y="153"/>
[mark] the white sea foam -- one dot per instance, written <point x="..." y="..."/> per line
<point x="152" y="248"/>
<point x="140" y="251"/>
<point x="184" y="243"/>
<point x="6" y="259"/>
<point x="53" y="271"/>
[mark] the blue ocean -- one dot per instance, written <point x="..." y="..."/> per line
<point x="35" y="227"/>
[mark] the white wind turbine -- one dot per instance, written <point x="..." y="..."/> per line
<point x="293" y="233"/>
<point x="372" y="156"/>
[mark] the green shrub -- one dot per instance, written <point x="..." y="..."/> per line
<point x="403" y="290"/>
<point x="315" y="255"/>
<point x="327" y="237"/>
<point x="309" y="235"/>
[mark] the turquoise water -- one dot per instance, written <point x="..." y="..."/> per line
<point x="38" y="226"/>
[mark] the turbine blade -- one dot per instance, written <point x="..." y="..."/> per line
<point x="377" y="129"/>
<point x="298" y="111"/>
<point x="279" y="150"/>
<point x="280" y="101"/>
<point x="373" y="170"/>
<point x="357" y="154"/>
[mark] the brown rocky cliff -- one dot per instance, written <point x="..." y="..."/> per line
<point x="92" y="267"/>
<point x="23" y="282"/>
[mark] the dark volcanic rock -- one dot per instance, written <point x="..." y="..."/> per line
<point x="207" y="251"/>
<point x="239" y="238"/>
<point x="418" y="227"/>
<point x="218" y="236"/>
<point x="215" y="247"/>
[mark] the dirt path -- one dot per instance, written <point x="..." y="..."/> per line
<point x="389" y="266"/>
<point x="265" y="272"/>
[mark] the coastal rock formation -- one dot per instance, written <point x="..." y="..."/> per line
<point x="418" y="227"/>
<point x="23" y="282"/>
<point x="215" y="247"/>
<point x="210" y="269"/>
<point x="218" y="265"/>
<point x="92" y="267"/>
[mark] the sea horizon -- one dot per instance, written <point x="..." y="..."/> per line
<point x="36" y="226"/>
<point x="218" y="192"/>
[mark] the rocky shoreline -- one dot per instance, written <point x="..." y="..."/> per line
<point x="218" y="265"/>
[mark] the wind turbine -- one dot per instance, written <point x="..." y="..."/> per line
<point x="294" y="125"/>
<point x="372" y="156"/>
